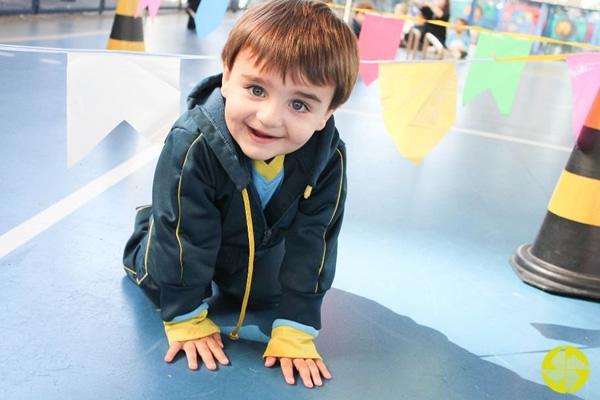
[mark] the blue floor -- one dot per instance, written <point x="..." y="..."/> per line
<point x="425" y="305"/>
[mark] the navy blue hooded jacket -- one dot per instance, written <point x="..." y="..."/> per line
<point x="198" y="229"/>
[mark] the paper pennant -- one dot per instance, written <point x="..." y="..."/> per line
<point x="419" y="105"/>
<point x="501" y="77"/>
<point x="379" y="40"/>
<point x="209" y="15"/>
<point x="585" y="83"/>
<point x="105" y="89"/>
<point x="153" y="6"/>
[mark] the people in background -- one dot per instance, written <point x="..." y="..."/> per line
<point x="458" y="41"/>
<point x="359" y="16"/>
<point x="417" y="32"/>
<point x="438" y="10"/>
<point x="402" y="9"/>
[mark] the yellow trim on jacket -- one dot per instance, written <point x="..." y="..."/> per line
<point x="179" y="205"/>
<point x="337" y="203"/>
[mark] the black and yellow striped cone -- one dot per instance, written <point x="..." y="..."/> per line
<point x="127" y="31"/>
<point x="565" y="255"/>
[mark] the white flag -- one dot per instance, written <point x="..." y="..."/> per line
<point x="103" y="89"/>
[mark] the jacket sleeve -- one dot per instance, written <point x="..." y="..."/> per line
<point x="186" y="232"/>
<point x="311" y="246"/>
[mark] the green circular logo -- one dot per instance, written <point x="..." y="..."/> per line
<point x="565" y="369"/>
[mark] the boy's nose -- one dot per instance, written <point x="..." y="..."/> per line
<point x="270" y="115"/>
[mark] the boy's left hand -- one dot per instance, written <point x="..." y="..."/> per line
<point x="310" y="370"/>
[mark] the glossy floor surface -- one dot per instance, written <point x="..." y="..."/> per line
<point x="425" y="305"/>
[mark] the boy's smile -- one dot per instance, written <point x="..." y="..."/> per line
<point x="262" y="137"/>
<point x="268" y="117"/>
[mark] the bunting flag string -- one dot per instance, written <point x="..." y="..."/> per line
<point x="416" y="115"/>
<point x="471" y="28"/>
<point x="60" y="50"/>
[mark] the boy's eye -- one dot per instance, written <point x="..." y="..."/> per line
<point x="297" y="105"/>
<point x="257" y="91"/>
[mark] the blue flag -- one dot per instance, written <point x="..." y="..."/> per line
<point x="209" y="15"/>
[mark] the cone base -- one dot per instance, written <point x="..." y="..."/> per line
<point x="553" y="279"/>
<point x="116" y="44"/>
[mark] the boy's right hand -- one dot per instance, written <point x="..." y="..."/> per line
<point x="209" y="348"/>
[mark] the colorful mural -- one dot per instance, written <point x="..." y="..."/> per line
<point x="520" y="18"/>
<point x="563" y="27"/>
<point x="487" y="14"/>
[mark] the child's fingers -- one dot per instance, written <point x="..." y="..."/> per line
<point x="314" y="372"/>
<point x="287" y="369"/>
<point x="217" y="351"/>
<point x="323" y="368"/>
<point x="270" y="361"/>
<point x="192" y="356"/>
<point x="304" y="372"/>
<point x="205" y="354"/>
<point x="172" y="352"/>
<point x="218" y="339"/>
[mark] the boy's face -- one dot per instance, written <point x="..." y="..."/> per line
<point x="267" y="117"/>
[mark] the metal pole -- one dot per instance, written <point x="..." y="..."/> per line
<point x="347" y="11"/>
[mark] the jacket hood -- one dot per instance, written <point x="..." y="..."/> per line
<point x="206" y="97"/>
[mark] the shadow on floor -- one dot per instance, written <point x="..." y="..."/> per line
<point x="372" y="352"/>
<point x="585" y="337"/>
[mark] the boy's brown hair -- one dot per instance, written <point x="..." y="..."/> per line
<point x="300" y="39"/>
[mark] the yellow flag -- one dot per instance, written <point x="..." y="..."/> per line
<point x="419" y="104"/>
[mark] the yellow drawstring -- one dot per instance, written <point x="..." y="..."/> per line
<point x="233" y="335"/>
<point x="307" y="191"/>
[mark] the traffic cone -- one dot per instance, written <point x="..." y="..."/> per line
<point x="565" y="255"/>
<point x="127" y="31"/>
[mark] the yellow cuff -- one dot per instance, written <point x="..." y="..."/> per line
<point x="195" y="328"/>
<point x="289" y="342"/>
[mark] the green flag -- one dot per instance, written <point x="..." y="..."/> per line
<point x="502" y="77"/>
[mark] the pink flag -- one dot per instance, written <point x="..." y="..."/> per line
<point x="585" y="83"/>
<point x="152" y="5"/>
<point x="379" y="40"/>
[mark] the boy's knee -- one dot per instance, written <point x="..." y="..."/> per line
<point x="134" y="244"/>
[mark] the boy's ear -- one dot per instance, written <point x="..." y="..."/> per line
<point x="326" y="117"/>
<point x="225" y="80"/>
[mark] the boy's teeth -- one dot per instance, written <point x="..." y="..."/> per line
<point x="260" y="134"/>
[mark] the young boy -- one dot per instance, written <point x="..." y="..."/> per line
<point x="249" y="189"/>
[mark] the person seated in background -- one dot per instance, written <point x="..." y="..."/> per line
<point x="359" y="16"/>
<point x="457" y="42"/>
<point x="402" y="9"/>
<point x="414" y="40"/>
